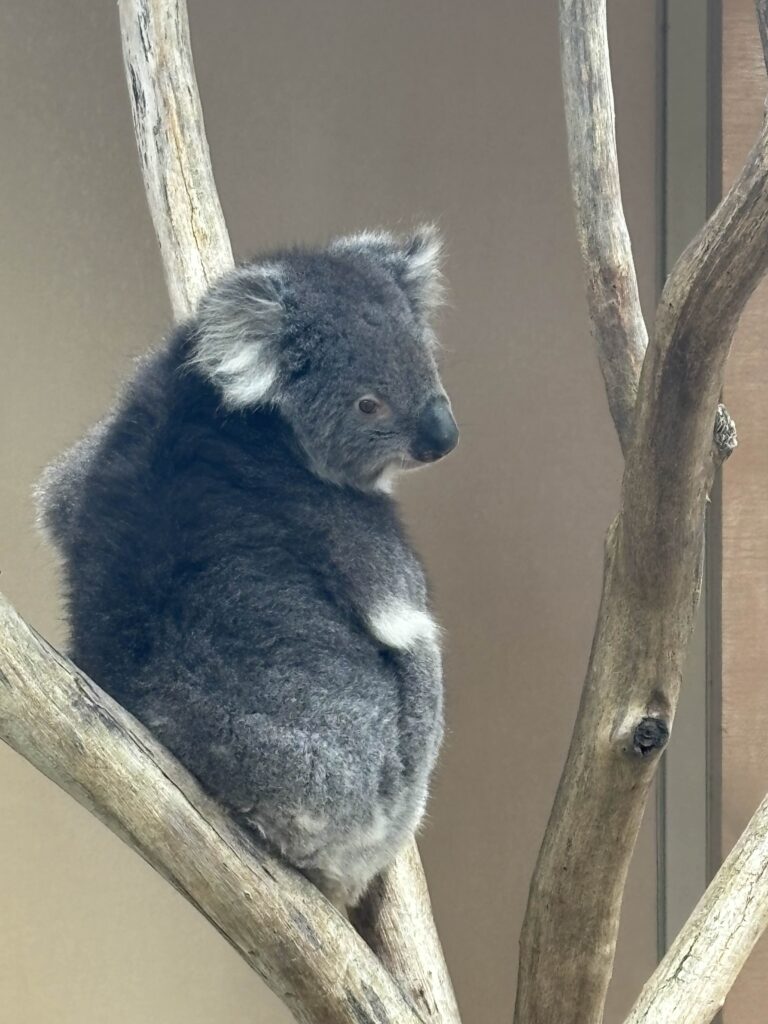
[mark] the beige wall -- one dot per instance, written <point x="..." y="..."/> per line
<point x="325" y="116"/>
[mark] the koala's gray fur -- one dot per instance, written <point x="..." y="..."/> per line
<point x="235" y="571"/>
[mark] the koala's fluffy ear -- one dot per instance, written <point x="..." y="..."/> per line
<point x="421" y="273"/>
<point x="416" y="262"/>
<point x="237" y="334"/>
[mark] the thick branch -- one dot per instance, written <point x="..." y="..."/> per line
<point x="195" y="248"/>
<point x="278" y="922"/>
<point x="612" y="296"/>
<point x="569" y="934"/>
<point x="690" y="984"/>
<point x="669" y="472"/>
<point x="650" y="592"/>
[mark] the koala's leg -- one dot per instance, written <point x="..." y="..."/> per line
<point x="334" y="800"/>
<point x="305" y="794"/>
<point x="341" y="896"/>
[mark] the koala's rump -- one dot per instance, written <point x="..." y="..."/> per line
<point x="281" y="703"/>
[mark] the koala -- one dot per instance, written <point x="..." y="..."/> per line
<point x="235" y="571"/>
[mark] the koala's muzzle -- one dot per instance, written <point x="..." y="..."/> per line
<point x="436" y="431"/>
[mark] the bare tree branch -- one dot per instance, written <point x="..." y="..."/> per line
<point x="697" y="316"/>
<point x="650" y="591"/>
<point x="55" y="717"/>
<point x="612" y="296"/>
<point x="395" y="919"/>
<point x="690" y="984"/>
<point x="761" y="7"/>
<point x="168" y="122"/>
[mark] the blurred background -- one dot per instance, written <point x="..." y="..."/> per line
<point x="324" y="118"/>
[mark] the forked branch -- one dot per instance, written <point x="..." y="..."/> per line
<point x="654" y="550"/>
<point x="671" y="470"/>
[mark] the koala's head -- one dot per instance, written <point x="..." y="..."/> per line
<point x="339" y="341"/>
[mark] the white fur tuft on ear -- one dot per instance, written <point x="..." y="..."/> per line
<point x="422" y="274"/>
<point x="238" y="329"/>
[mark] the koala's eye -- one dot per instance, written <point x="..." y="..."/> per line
<point x="368" y="405"/>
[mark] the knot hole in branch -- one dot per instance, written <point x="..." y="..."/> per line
<point x="650" y="736"/>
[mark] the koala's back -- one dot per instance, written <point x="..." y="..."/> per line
<point x="272" y="629"/>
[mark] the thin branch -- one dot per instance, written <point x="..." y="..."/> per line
<point x="650" y="591"/>
<point x="395" y="919"/>
<point x="612" y="295"/>
<point x="176" y="164"/>
<point x="761" y="7"/>
<point x="195" y="248"/>
<point x="690" y="984"/>
<point x="57" y="719"/>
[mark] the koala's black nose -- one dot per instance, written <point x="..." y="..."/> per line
<point x="436" y="431"/>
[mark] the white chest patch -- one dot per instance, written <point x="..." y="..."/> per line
<point x="385" y="482"/>
<point x="401" y="625"/>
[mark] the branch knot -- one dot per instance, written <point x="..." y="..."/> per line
<point x="650" y="736"/>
